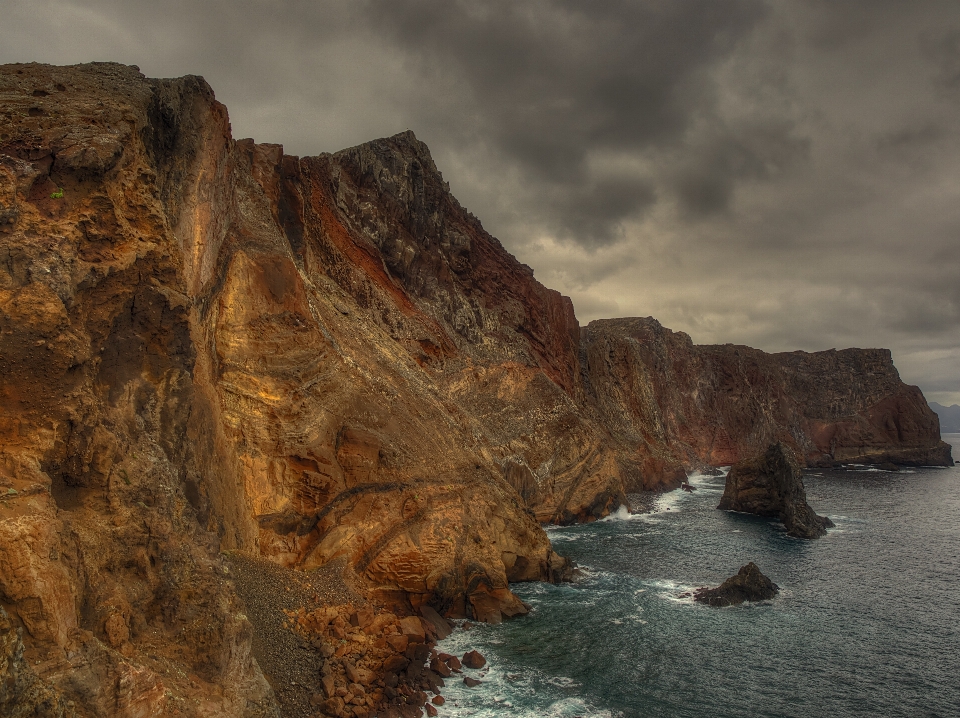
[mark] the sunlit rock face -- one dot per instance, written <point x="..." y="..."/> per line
<point x="206" y="345"/>
<point x="209" y="345"/>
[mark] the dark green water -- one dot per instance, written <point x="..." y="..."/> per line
<point x="867" y="622"/>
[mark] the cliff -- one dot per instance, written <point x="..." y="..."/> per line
<point x="949" y="417"/>
<point x="207" y="345"/>
<point x="670" y="403"/>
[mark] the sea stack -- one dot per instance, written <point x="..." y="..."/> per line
<point x="748" y="585"/>
<point x="772" y="485"/>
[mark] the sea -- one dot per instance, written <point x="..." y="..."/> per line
<point x="867" y="622"/>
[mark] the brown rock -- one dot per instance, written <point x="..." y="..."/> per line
<point x="333" y="706"/>
<point x="395" y="664"/>
<point x="351" y="671"/>
<point x="116" y="629"/>
<point x="440" y="625"/>
<point x="473" y="659"/>
<point x="431" y="711"/>
<point x="748" y="585"/>
<point x="470" y="682"/>
<point x="398" y="643"/>
<point x="440" y="668"/>
<point x="772" y="485"/>
<point x="438" y="700"/>
<point x="327" y="686"/>
<point x="412" y="629"/>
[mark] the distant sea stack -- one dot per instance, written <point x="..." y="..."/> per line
<point x="772" y="485"/>
<point x="748" y="585"/>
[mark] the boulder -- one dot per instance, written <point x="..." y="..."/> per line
<point x="474" y="659"/>
<point x="748" y="585"/>
<point x="441" y="626"/>
<point x="412" y="628"/>
<point x="772" y="485"/>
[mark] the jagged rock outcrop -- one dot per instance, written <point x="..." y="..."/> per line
<point x="748" y="585"/>
<point x="670" y="403"/>
<point x="772" y="485"/>
<point x="204" y="347"/>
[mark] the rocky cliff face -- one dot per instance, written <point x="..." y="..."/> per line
<point x="208" y="345"/>
<point x="672" y="404"/>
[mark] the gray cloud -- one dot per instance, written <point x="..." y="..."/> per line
<point x="782" y="173"/>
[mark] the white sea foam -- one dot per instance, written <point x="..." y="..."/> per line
<point x="510" y="693"/>
<point x="672" y="590"/>
<point x="623" y="514"/>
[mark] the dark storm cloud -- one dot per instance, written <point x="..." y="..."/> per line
<point x="751" y="152"/>
<point x="781" y="173"/>
<point x="552" y="83"/>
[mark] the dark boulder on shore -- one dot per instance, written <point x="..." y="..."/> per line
<point x="748" y="585"/>
<point x="772" y="485"/>
<point x="474" y="659"/>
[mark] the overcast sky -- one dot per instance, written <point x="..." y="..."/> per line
<point x="783" y="174"/>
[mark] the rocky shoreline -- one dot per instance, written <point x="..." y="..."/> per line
<point x="326" y="651"/>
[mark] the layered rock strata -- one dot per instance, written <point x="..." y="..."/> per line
<point x="772" y="485"/>
<point x="208" y="345"/>
<point x="670" y="404"/>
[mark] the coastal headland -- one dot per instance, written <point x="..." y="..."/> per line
<point x="213" y="354"/>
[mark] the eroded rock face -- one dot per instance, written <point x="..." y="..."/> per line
<point x="22" y="693"/>
<point x="772" y="485"/>
<point x="206" y="344"/>
<point x="671" y="404"/>
<point x="748" y="585"/>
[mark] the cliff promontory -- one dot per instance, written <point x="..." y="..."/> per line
<point x="209" y="346"/>
<point x="669" y="403"/>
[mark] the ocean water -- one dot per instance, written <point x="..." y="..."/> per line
<point x="867" y="622"/>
